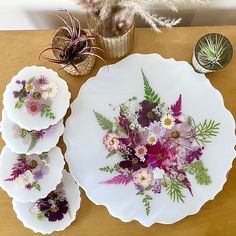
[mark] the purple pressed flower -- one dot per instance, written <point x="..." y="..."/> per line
<point x="40" y="134"/>
<point x="146" y="115"/>
<point x="16" y="94"/>
<point x="131" y="161"/>
<point x="42" y="80"/>
<point x="181" y="134"/>
<point x="157" y="187"/>
<point x="194" y="154"/>
<point x="53" y="206"/>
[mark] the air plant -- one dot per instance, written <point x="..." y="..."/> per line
<point x="103" y="9"/>
<point x="71" y="45"/>
<point x="212" y="51"/>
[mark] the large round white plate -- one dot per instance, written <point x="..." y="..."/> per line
<point x="36" y="98"/>
<point x="123" y="80"/>
<point x="25" y="212"/>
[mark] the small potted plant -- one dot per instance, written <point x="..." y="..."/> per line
<point x="72" y="47"/>
<point x="212" y="53"/>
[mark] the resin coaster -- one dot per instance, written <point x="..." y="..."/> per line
<point x="36" y="98"/>
<point x="54" y="212"/>
<point x="150" y="139"/>
<point x="28" y="142"/>
<point x="29" y="177"/>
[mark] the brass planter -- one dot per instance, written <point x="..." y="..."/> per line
<point x="83" y="67"/>
<point x="115" y="47"/>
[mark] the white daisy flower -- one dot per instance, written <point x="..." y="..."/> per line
<point x="29" y="87"/>
<point x="50" y="90"/>
<point x="152" y="139"/>
<point x="24" y="179"/>
<point x="158" y="173"/>
<point x="167" y="121"/>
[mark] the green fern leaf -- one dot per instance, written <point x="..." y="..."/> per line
<point x="47" y="112"/>
<point x="34" y="140"/>
<point x="205" y="131"/>
<point x="174" y="190"/>
<point x="150" y="94"/>
<point x="197" y="169"/>
<point x="104" y="122"/>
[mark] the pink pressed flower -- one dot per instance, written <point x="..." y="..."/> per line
<point x="156" y="129"/>
<point x="140" y="151"/>
<point x="142" y="178"/>
<point x="33" y="107"/>
<point x="181" y="134"/>
<point x="111" y="141"/>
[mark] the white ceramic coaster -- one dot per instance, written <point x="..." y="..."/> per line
<point x="23" y="141"/>
<point x="36" y="98"/>
<point x="28" y="178"/>
<point x="53" y="213"/>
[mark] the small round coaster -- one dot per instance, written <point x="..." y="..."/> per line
<point x="28" y="178"/>
<point x="20" y="140"/>
<point x="36" y="98"/>
<point x="53" y="213"/>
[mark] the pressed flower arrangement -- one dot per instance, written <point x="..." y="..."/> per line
<point x="158" y="147"/>
<point x="32" y="137"/>
<point x="72" y="47"/>
<point x="28" y="170"/>
<point x="53" y="207"/>
<point x="36" y="96"/>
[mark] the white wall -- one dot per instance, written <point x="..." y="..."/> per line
<point x="36" y="14"/>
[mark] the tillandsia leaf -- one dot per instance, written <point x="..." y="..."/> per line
<point x="34" y="140"/>
<point x="197" y="169"/>
<point x="150" y="94"/>
<point x="95" y="55"/>
<point x="174" y="190"/>
<point x="104" y="123"/>
<point x="205" y="131"/>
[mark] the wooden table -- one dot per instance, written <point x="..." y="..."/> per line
<point x="218" y="217"/>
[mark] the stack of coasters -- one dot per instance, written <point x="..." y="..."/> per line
<point x="31" y="166"/>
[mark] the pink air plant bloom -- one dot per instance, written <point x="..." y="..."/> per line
<point x="142" y="178"/>
<point x="111" y="141"/>
<point x="33" y="107"/>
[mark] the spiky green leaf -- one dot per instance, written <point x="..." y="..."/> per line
<point x="103" y="122"/>
<point x="205" y="131"/>
<point x="150" y="94"/>
<point x="174" y="190"/>
<point x="47" y="112"/>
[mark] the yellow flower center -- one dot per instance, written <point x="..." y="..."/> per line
<point x="150" y="115"/>
<point x="167" y="121"/>
<point x="175" y="134"/>
<point x="152" y="139"/>
<point x="29" y="87"/>
<point x="54" y="209"/>
<point x="134" y="160"/>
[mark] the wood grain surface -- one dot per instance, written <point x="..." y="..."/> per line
<point x="218" y="217"/>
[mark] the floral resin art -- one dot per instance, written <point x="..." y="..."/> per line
<point x="28" y="170"/>
<point x="159" y="147"/>
<point x="36" y="96"/>
<point x="53" y="207"/>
